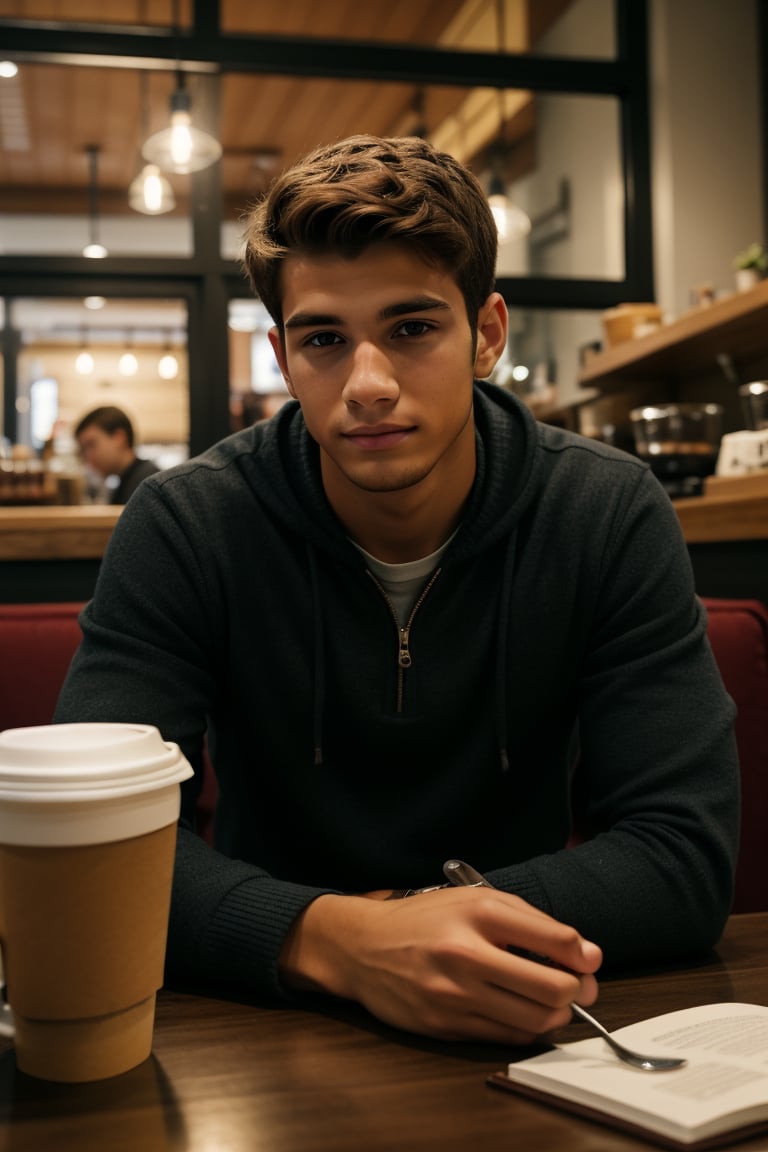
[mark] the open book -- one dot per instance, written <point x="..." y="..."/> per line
<point x="720" y="1096"/>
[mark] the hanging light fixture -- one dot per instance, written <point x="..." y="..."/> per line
<point x="128" y="365"/>
<point x="167" y="365"/>
<point x="84" y="363"/>
<point x="511" y="221"/>
<point x="94" y="249"/>
<point x="181" y="147"/>
<point x="149" y="191"/>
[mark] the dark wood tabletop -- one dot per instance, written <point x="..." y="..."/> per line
<point x="228" y="1076"/>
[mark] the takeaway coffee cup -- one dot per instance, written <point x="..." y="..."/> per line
<point x="87" y="837"/>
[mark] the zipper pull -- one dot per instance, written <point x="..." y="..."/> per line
<point x="404" y="655"/>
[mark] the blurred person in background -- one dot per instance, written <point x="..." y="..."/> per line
<point x="106" y="437"/>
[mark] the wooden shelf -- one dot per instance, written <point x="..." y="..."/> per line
<point x="57" y="533"/>
<point x="736" y="326"/>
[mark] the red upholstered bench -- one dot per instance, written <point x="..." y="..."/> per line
<point x="37" y="643"/>
<point x="738" y="633"/>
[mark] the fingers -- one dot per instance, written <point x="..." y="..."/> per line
<point x="440" y="963"/>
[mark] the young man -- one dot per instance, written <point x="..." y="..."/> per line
<point x="105" y="436"/>
<point x="393" y="608"/>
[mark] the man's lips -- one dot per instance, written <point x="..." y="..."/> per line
<point x="379" y="437"/>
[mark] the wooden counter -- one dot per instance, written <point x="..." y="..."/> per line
<point x="56" y="533"/>
<point x="732" y="508"/>
<point x="53" y="553"/>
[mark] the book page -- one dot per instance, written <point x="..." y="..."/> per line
<point x="726" y="1046"/>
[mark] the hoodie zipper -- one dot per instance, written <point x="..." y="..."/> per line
<point x="404" y="658"/>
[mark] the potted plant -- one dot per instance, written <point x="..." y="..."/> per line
<point x="750" y="266"/>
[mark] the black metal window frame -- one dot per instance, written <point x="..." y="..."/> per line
<point x="207" y="282"/>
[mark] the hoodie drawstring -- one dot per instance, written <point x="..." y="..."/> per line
<point x="502" y="650"/>
<point x="319" y="669"/>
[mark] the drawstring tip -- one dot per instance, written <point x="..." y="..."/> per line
<point x="318" y="756"/>
<point x="504" y="759"/>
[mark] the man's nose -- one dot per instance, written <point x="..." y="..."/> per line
<point x="371" y="377"/>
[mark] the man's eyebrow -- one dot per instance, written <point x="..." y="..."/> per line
<point x="418" y="304"/>
<point x="401" y="308"/>
<point x="312" y="320"/>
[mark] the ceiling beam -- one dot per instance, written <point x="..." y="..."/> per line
<point x="346" y="59"/>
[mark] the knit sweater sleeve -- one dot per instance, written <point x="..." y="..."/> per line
<point x="658" y="767"/>
<point x="149" y="655"/>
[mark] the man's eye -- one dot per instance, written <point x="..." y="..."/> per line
<point x="323" y="339"/>
<point x="412" y="328"/>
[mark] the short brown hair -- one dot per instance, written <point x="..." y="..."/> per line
<point x="110" y="419"/>
<point x="345" y="196"/>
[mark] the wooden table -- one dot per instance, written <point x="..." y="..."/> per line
<point x="234" y="1077"/>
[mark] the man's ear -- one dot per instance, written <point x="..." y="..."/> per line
<point x="492" y="323"/>
<point x="278" y="347"/>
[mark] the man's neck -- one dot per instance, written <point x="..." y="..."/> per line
<point x="400" y="540"/>
<point x="398" y="527"/>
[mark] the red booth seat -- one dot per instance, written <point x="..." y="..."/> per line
<point x="738" y="633"/>
<point x="37" y="642"/>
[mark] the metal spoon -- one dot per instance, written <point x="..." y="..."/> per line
<point x="464" y="875"/>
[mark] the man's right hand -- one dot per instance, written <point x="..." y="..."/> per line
<point x="439" y="963"/>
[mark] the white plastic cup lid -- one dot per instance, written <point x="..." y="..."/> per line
<point x="87" y="783"/>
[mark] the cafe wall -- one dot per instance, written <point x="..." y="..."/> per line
<point x="707" y="192"/>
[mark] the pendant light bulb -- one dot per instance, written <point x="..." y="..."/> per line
<point x="181" y="147"/>
<point x="84" y="363"/>
<point x="128" y="364"/>
<point x="150" y="192"/>
<point x="511" y="221"/>
<point x="168" y="367"/>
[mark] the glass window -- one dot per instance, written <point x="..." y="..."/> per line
<point x="256" y="388"/>
<point x="71" y="149"/>
<point x="573" y="192"/>
<point x="128" y="353"/>
<point x="544" y="354"/>
<point x="558" y="157"/>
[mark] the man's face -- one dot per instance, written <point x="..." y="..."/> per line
<point x="378" y="350"/>
<point x="103" y="451"/>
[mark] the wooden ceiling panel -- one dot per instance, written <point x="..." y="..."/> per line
<point x="397" y="21"/>
<point x="265" y="121"/>
<point x="152" y="12"/>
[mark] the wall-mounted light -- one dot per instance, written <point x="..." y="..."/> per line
<point x="181" y="147"/>
<point x="8" y="69"/>
<point x="94" y="303"/>
<point x="94" y="249"/>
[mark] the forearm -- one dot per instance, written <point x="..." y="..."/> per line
<point x="229" y="919"/>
